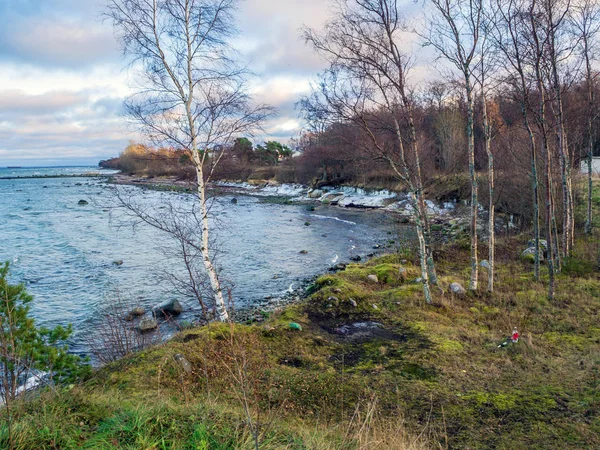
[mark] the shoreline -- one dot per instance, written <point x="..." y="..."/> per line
<point x="33" y="177"/>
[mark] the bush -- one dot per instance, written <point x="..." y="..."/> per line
<point x="26" y="349"/>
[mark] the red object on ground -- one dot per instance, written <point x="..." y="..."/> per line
<point x="515" y="336"/>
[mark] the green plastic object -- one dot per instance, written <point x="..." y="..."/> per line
<point x="295" y="326"/>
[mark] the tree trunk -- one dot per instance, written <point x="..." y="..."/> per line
<point x="473" y="178"/>
<point x="491" y="223"/>
<point x="215" y="284"/>
<point x="591" y="117"/>
<point x="422" y="248"/>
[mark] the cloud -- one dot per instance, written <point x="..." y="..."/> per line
<point x="64" y="43"/>
<point x="55" y="33"/>
<point x="12" y="101"/>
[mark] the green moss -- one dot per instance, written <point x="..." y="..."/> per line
<point x="449" y="346"/>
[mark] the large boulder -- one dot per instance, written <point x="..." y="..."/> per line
<point x="529" y="254"/>
<point x="168" y="309"/>
<point x="457" y="289"/>
<point x="543" y="244"/>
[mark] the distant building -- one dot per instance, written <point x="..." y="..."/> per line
<point x="595" y="166"/>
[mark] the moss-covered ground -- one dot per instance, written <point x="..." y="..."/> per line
<point x="370" y="354"/>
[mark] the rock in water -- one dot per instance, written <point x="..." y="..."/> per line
<point x="118" y="262"/>
<point x="168" y="309"/>
<point x="82" y="202"/>
<point x="147" y="325"/>
<point x="295" y="326"/>
<point x="373" y="278"/>
<point x="135" y="312"/>
<point x="355" y="258"/>
<point x="457" y="289"/>
<point x="234" y="200"/>
<point x="338" y="267"/>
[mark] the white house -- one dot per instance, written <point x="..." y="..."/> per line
<point x="595" y="166"/>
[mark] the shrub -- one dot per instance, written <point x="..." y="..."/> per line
<point x="26" y="349"/>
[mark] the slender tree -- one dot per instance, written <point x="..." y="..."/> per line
<point x="454" y="31"/>
<point x="509" y="26"/>
<point x="192" y="93"/>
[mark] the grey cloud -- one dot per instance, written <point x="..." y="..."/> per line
<point x="55" y="33"/>
<point x="12" y="101"/>
<point x="57" y="44"/>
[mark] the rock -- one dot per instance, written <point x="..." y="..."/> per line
<point x="82" y="202"/>
<point x="315" y="193"/>
<point x="332" y="198"/>
<point x="355" y="258"/>
<point x="373" y="278"/>
<point x="303" y="252"/>
<point x="234" y="201"/>
<point x="118" y="262"/>
<point x="333" y="299"/>
<point x="337" y="291"/>
<point x="529" y="254"/>
<point x="183" y="363"/>
<point x="543" y="244"/>
<point x="338" y="267"/>
<point x="485" y="264"/>
<point x="135" y="312"/>
<point x="295" y="326"/>
<point x="168" y="309"/>
<point x="353" y="302"/>
<point x="306" y="223"/>
<point x="402" y="273"/>
<point x="457" y="289"/>
<point x="147" y="325"/>
<point x="375" y="306"/>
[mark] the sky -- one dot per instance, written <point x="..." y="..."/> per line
<point x="63" y="78"/>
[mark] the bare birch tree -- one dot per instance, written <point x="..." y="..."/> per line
<point x="485" y="68"/>
<point x="553" y="16"/>
<point x="368" y="74"/>
<point x="454" y="31"/>
<point x="191" y="91"/>
<point x="509" y="27"/>
<point x="538" y="39"/>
